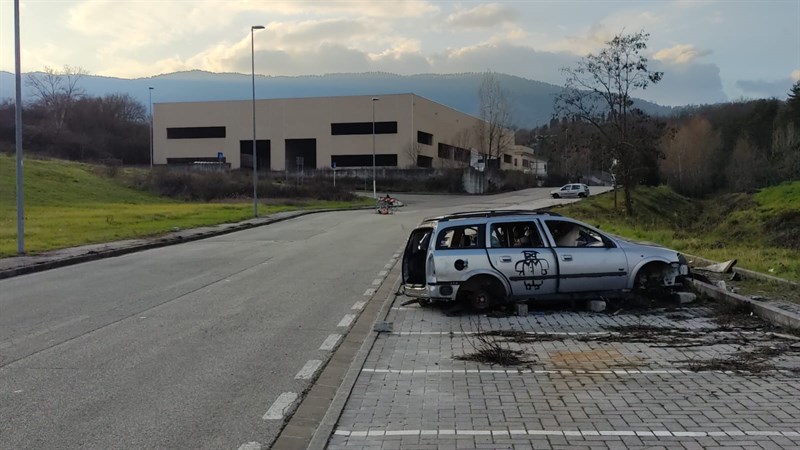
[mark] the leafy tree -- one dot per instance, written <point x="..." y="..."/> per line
<point x="599" y="90"/>
<point x="793" y="102"/>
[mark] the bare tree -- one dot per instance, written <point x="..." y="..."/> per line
<point x="493" y="129"/>
<point x="57" y="91"/>
<point x="599" y="89"/>
<point x="413" y="150"/>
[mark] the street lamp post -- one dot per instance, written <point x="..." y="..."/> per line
<point x="253" y="77"/>
<point x="374" y="192"/>
<point x="150" y="94"/>
<point x="18" y="131"/>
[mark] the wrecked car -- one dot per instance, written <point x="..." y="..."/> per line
<point x="489" y="257"/>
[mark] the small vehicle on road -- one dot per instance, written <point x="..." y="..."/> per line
<point x="489" y="257"/>
<point x="572" y="190"/>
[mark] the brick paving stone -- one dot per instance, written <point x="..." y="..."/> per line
<point x="629" y="390"/>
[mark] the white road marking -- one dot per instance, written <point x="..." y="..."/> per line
<point x="396" y="255"/>
<point x="531" y="371"/>
<point x="389" y="265"/>
<point x="359" y="305"/>
<point x="281" y="406"/>
<point x="250" y="446"/>
<point x="382" y="273"/>
<point x="369" y="292"/>
<point x="377" y="281"/>
<point x="530" y="333"/>
<point x="346" y="320"/>
<point x="506" y="432"/>
<point x="308" y="371"/>
<point x="330" y="342"/>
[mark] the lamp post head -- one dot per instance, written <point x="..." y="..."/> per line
<point x="257" y="27"/>
<point x="150" y="88"/>
<point x="375" y="99"/>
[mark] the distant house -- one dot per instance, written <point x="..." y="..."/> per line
<point x="520" y="157"/>
<point x="316" y="133"/>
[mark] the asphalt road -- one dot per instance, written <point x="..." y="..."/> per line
<point x="188" y="346"/>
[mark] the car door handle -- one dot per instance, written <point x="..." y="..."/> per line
<point x="505" y="259"/>
<point x="566" y="257"/>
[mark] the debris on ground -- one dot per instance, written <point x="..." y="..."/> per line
<point x="753" y="361"/>
<point x="596" y="305"/>
<point x="383" y="327"/>
<point x="723" y="267"/>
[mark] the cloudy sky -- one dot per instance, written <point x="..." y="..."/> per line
<point x="710" y="51"/>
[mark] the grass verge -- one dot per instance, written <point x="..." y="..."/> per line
<point x="69" y="204"/>
<point x="761" y="230"/>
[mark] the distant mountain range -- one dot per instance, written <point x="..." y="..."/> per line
<point x="531" y="102"/>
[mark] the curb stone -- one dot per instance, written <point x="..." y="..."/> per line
<point x="788" y="317"/>
<point x="171" y="239"/>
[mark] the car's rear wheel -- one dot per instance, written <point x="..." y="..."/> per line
<point x="582" y="195"/>
<point x="555" y="195"/>
<point x="482" y="292"/>
<point x="480" y="299"/>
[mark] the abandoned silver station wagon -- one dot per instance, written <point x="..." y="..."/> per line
<point x="492" y="256"/>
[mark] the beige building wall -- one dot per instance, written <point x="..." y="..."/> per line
<point x="310" y="118"/>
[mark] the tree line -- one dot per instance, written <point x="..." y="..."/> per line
<point x="738" y="146"/>
<point x="62" y="121"/>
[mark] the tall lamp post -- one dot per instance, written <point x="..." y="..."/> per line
<point x="374" y="192"/>
<point x="18" y="131"/>
<point x="253" y="77"/>
<point x="150" y="94"/>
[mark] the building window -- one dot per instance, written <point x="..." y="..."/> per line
<point x="382" y="160"/>
<point x="526" y="163"/>
<point x="507" y="159"/>
<point x="424" y="161"/>
<point x="349" y="128"/>
<point x="445" y="151"/>
<point x="515" y="161"/>
<point x="196" y="133"/>
<point x="424" y="138"/>
<point x="452" y="152"/>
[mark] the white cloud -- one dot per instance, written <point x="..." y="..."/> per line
<point x="680" y="54"/>
<point x="594" y="37"/>
<point x="482" y="16"/>
<point x="796" y="75"/>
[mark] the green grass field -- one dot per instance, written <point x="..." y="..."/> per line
<point x="761" y="230"/>
<point x="69" y="204"/>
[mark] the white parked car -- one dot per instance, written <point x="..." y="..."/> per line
<point x="570" y="191"/>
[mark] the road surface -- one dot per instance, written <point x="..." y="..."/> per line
<point x="190" y="346"/>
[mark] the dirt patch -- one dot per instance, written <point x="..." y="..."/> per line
<point x="739" y="316"/>
<point x="495" y="356"/>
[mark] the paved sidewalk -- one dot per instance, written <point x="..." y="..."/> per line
<point x="696" y="377"/>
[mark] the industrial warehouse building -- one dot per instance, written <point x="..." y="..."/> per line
<point x="315" y="133"/>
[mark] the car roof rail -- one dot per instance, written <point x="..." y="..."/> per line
<point x="490" y="213"/>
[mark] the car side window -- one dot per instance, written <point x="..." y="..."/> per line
<point x="569" y="234"/>
<point x="462" y="237"/>
<point x="515" y="235"/>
